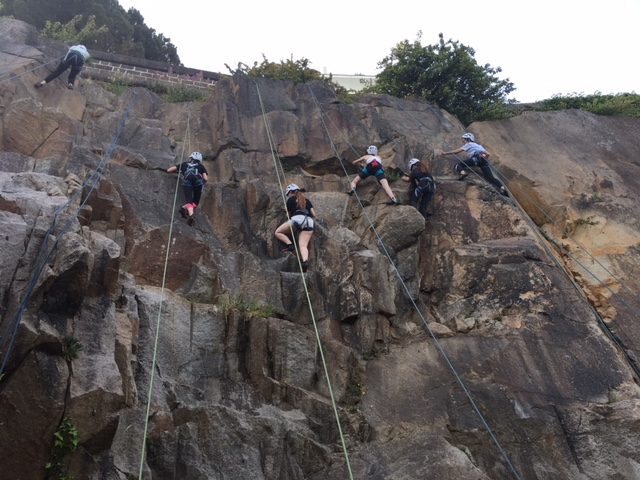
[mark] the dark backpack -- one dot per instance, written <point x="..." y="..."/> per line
<point x="192" y="174"/>
<point x="426" y="185"/>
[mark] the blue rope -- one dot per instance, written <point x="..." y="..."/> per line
<point x="93" y="179"/>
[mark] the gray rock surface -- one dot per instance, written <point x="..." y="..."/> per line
<point x="227" y="348"/>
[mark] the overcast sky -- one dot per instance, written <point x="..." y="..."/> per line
<point x="545" y="47"/>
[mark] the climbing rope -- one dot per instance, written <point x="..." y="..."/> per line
<point x="43" y="256"/>
<point x="280" y="174"/>
<point x="551" y="220"/>
<point x="437" y="343"/>
<point x="158" y="318"/>
<point x="13" y="76"/>
<point x="544" y="241"/>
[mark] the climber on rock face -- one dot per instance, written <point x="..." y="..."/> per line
<point x="371" y="164"/>
<point x="301" y="219"/>
<point x="75" y="58"/>
<point x="194" y="176"/>
<point x="422" y="186"/>
<point x="478" y="156"/>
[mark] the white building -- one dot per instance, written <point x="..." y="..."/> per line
<point x="354" y="82"/>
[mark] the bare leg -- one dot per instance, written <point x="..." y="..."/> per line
<point x="387" y="188"/>
<point x="303" y="244"/>
<point x="282" y="233"/>
<point x="355" y="181"/>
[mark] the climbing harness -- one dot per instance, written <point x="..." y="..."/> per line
<point x="280" y="175"/>
<point x="13" y="76"/>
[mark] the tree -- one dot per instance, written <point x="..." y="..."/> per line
<point x="112" y="29"/>
<point x="70" y="32"/>
<point x="155" y="46"/>
<point x="446" y="74"/>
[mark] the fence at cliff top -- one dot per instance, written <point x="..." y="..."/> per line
<point x="121" y="68"/>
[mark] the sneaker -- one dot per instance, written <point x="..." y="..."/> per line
<point x="463" y="174"/>
<point x="393" y="201"/>
<point x="289" y="249"/>
<point x="305" y="266"/>
<point x="70" y="86"/>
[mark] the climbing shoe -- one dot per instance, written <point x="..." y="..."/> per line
<point x="70" y="86"/>
<point x="40" y="84"/>
<point x="463" y="174"/>
<point x="393" y="201"/>
<point x="503" y="191"/>
<point x="289" y="249"/>
<point x="305" y="265"/>
<point x="351" y="191"/>
<point x="183" y="212"/>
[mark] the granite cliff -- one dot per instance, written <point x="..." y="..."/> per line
<point x="527" y="301"/>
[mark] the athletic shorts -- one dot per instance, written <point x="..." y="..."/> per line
<point x="302" y="223"/>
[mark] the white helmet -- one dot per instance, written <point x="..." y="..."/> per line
<point x="469" y="136"/>
<point x="413" y="161"/>
<point x="197" y="156"/>
<point x="372" y="150"/>
<point x="292" y="187"/>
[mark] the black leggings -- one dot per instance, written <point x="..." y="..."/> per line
<point x="192" y="193"/>
<point x="478" y="161"/>
<point x="421" y="197"/>
<point x="73" y="60"/>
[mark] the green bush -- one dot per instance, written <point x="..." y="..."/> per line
<point x="70" y="348"/>
<point x="249" y="310"/>
<point x="65" y="441"/>
<point x="298" y="71"/>
<point x="72" y="32"/>
<point x="624" y="104"/>
<point x="184" y="94"/>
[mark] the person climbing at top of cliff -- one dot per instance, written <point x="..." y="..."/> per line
<point x="422" y="186"/>
<point x="75" y="58"/>
<point x="194" y="177"/>
<point x="478" y="156"/>
<point x="371" y="165"/>
<point x="301" y="219"/>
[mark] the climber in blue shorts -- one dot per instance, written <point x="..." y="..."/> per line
<point x="371" y="165"/>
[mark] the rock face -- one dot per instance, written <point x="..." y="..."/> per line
<point x="456" y="347"/>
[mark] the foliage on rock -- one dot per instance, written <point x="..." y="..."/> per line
<point x="99" y="24"/>
<point x="446" y="74"/>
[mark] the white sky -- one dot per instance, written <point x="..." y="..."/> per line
<point x="545" y="47"/>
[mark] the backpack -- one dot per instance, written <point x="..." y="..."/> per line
<point x="426" y="185"/>
<point x="191" y="174"/>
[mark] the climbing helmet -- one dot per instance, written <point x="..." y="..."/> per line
<point x="372" y="150"/>
<point x="197" y="156"/>
<point x="292" y="187"/>
<point x="469" y="136"/>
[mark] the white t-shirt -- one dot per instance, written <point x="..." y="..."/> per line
<point x="473" y="148"/>
<point x="372" y="158"/>
<point x="81" y="49"/>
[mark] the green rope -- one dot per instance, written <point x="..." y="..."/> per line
<point x="157" y="335"/>
<point x="306" y="290"/>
